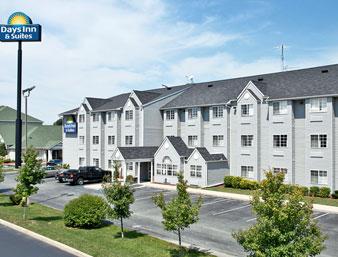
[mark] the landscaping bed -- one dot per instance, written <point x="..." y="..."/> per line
<point x="104" y="241"/>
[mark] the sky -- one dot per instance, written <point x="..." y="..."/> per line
<point x="105" y="47"/>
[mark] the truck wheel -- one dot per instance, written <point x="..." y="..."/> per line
<point x="80" y="181"/>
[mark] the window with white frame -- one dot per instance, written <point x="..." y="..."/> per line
<point x="170" y="115"/>
<point x="192" y="141"/>
<point x="246" y="140"/>
<point x="129" y="115"/>
<point x="129" y="140"/>
<point x="218" y="140"/>
<point x="111" y="140"/>
<point x="217" y="112"/>
<point x="81" y="161"/>
<point x="280" y="107"/>
<point x="96" y="117"/>
<point x="319" y="177"/>
<point x="81" y="140"/>
<point x="280" y="141"/>
<point x="159" y="169"/>
<point x="110" y="116"/>
<point x="130" y="166"/>
<point x="196" y="171"/>
<point x="246" y="110"/>
<point x="166" y="167"/>
<point x="96" y="162"/>
<point x="192" y="113"/>
<point x="281" y="170"/>
<point x="81" y="118"/>
<point x="110" y="164"/>
<point x="96" y="140"/>
<point x="247" y="172"/>
<point x="318" y="105"/>
<point x="319" y="141"/>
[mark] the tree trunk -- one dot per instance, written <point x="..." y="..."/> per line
<point x="122" y="233"/>
<point x="179" y="237"/>
<point x="25" y="207"/>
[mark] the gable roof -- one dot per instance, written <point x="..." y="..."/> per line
<point x="210" y="157"/>
<point x="70" y="112"/>
<point x="113" y="103"/>
<point x="310" y="82"/>
<point x="180" y="147"/>
<point x="9" y="114"/>
<point x="95" y="102"/>
<point x="137" y="152"/>
<point x="146" y="96"/>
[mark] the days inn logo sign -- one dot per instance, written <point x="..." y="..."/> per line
<point x="69" y="126"/>
<point x="20" y="28"/>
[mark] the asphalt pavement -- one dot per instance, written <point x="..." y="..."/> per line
<point x="219" y="216"/>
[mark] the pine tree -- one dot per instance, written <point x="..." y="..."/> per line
<point x="180" y="212"/>
<point x="30" y="174"/>
<point x="120" y="197"/>
<point x="284" y="226"/>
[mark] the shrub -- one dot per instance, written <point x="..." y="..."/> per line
<point x="87" y="211"/>
<point x="314" y="191"/>
<point x="236" y="182"/>
<point x="228" y="181"/>
<point x="305" y="190"/>
<point x="324" y="192"/>
<point x="335" y="194"/>
<point x="244" y="184"/>
<point x="130" y="179"/>
<point x="15" y="199"/>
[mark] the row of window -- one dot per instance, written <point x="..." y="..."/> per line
<point x="217" y="112"/>
<point x="317" y="141"/>
<point x="217" y="140"/>
<point x="111" y="140"/>
<point x="166" y="169"/>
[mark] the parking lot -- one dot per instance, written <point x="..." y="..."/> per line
<point x="219" y="217"/>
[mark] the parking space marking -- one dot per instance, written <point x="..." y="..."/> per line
<point x="223" y="200"/>
<point x="149" y="197"/>
<point x="227" y="211"/>
<point x="320" y="216"/>
<point x="251" y="219"/>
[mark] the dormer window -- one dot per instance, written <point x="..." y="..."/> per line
<point x="318" y="105"/>
<point x="280" y="107"/>
<point x="246" y="110"/>
<point x="217" y="112"/>
<point x="192" y="113"/>
<point x="96" y="117"/>
<point x="129" y="115"/>
<point x="170" y="115"/>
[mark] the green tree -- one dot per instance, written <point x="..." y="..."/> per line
<point x="3" y="151"/>
<point x="180" y="212"/>
<point x="119" y="198"/>
<point x="30" y="174"/>
<point x="2" y="178"/>
<point x="58" y="122"/>
<point x="116" y="170"/>
<point x="284" y="226"/>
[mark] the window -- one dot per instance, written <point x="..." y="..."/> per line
<point x="110" y="116"/>
<point x="247" y="110"/>
<point x="129" y="115"/>
<point x="318" y="141"/>
<point x="81" y="118"/>
<point x="110" y="164"/>
<point x="280" y="107"/>
<point x="246" y="140"/>
<point x="129" y="140"/>
<point x="192" y="141"/>
<point x="111" y="140"/>
<point x="81" y="161"/>
<point x="319" y="177"/>
<point x="96" y="117"/>
<point x="280" y="141"/>
<point x="95" y="140"/>
<point x="158" y="169"/>
<point x="130" y="166"/>
<point x="247" y="172"/>
<point x="217" y="112"/>
<point x="96" y="162"/>
<point x="192" y="113"/>
<point x="218" y="140"/>
<point x="318" y="105"/>
<point x="170" y="115"/>
<point x="166" y="168"/>
<point x="196" y="171"/>
<point x="81" y="140"/>
<point x="281" y="170"/>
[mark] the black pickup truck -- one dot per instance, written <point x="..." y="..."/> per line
<point x="85" y="174"/>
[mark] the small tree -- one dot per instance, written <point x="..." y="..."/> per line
<point x="284" y="225"/>
<point x="119" y="197"/>
<point x="3" y="151"/>
<point x="180" y="212"/>
<point x="30" y="174"/>
<point x="116" y="170"/>
<point x="2" y="178"/>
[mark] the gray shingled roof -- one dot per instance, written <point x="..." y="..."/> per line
<point x="210" y="157"/>
<point x="146" y="96"/>
<point x="95" y="102"/>
<point x="138" y="152"/>
<point x="281" y="85"/>
<point x="180" y="147"/>
<point x="69" y="112"/>
<point x="113" y="103"/>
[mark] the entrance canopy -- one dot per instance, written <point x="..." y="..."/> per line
<point x="135" y="153"/>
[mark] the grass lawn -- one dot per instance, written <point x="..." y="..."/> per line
<point x="317" y="200"/>
<point x="104" y="241"/>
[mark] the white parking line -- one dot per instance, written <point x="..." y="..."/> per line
<point x="223" y="200"/>
<point x="149" y="197"/>
<point x="234" y="209"/>
<point x="251" y="219"/>
<point x="322" y="215"/>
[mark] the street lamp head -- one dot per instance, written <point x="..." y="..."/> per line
<point x="27" y="91"/>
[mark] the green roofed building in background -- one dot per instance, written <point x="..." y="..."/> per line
<point x="46" y="139"/>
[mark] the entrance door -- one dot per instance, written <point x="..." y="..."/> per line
<point x="145" y="169"/>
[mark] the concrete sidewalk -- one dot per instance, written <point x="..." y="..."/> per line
<point x="316" y="207"/>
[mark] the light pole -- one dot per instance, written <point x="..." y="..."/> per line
<point x="26" y="93"/>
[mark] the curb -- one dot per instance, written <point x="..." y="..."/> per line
<point x="316" y="207"/>
<point x="44" y="239"/>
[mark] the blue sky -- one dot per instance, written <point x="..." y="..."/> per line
<point x="104" y="47"/>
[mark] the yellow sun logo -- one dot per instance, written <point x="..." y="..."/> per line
<point x="19" y="18"/>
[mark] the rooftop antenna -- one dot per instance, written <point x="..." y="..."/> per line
<point x="282" y="48"/>
<point x="190" y="79"/>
